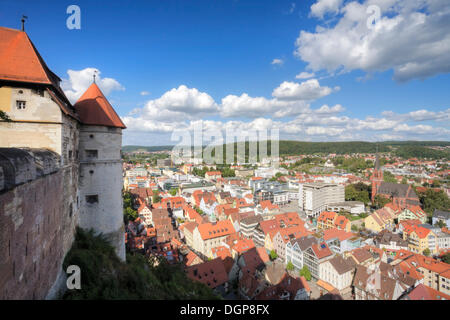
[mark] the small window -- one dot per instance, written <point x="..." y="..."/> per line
<point x="92" y="154"/>
<point x="91" y="136"/>
<point x="39" y="92"/>
<point x="70" y="154"/>
<point x="20" y="104"/>
<point x="92" y="198"/>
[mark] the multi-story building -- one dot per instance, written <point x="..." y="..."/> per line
<point x="249" y="224"/>
<point x="380" y="220"/>
<point x="436" y="274"/>
<point x="420" y="238"/>
<point x="339" y="273"/>
<point x="412" y="213"/>
<point x="314" y="197"/>
<point x="296" y="248"/>
<point x="210" y="235"/>
<point x="315" y="256"/>
<point x="285" y="236"/>
<point x="331" y="220"/>
<point x="281" y="197"/>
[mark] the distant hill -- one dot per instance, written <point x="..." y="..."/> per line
<point x="145" y="148"/>
<point x="406" y="149"/>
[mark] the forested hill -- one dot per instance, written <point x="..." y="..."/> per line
<point x="405" y="149"/>
<point x="146" y="148"/>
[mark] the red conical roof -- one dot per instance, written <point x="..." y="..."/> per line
<point x="94" y="109"/>
<point x="20" y="61"/>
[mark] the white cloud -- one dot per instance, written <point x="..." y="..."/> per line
<point x="419" y="115"/>
<point x="246" y="106"/>
<point x="308" y="90"/>
<point x="80" y="80"/>
<point x="179" y="104"/>
<point x="325" y="109"/>
<point x="322" y="7"/>
<point x="305" y="75"/>
<point x="411" y="38"/>
<point x="145" y="93"/>
<point x="278" y="62"/>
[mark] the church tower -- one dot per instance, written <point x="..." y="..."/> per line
<point x="377" y="177"/>
<point x="100" y="180"/>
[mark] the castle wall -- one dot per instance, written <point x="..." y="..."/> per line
<point x="34" y="222"/>
<point x="39" y="124"/>
<point x="101" y="183"/>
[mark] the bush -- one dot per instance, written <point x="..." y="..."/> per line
<point x="290" y="266"/>
<point x="304" y="272"/>
<point x="273" y="255"/>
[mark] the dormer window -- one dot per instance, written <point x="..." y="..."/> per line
<point x="20" y="104"/>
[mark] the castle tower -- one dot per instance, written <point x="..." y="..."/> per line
<point x="377" y="177"/>
<point x="100" y="181"/>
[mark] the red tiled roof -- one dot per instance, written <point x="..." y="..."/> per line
<point x="423" y="292"/>
<point x="94" y="109"/>
<point x="212" y="273"/>
<point x="20" y="61"/>
<point x="337" y="233"/>
<point x="321" y="250"/>
<point x="221" y="252"/>
<point x="219" y="229"/>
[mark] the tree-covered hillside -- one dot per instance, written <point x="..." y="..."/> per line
<point x="104" y="276"/>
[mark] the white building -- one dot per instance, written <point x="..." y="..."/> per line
<point x="339" y="273"/>
<point x="314" y="197"/>
<point x="354" y="207"/>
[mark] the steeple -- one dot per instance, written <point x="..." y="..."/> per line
<point x="377" y="176"/>
<point x="377" y="160"/>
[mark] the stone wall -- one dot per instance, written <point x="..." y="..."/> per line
<point x="33" y="222"/>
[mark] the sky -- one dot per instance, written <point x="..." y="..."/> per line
<point x="315" y="70"/>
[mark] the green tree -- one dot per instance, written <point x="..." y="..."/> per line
<point x="290" y="266"/>
<point x="129" y="214"/>
<point x="440" y="224"/>
<point x="432" y="200"/>
<point x="156" y="198"/>
<point x="304" y="272"/>
<point x="356" y="193"/>
<point x="446" y="258"/>
<point x="173" y="192"/>
<point x="273" y="255"/>
<point x="389" y="177"/>
<point x="426" y="252"/>
<point x="380" y="201"/>
<point x="354" y="227"/>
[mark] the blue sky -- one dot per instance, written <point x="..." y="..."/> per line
<point x="166" y="65"/>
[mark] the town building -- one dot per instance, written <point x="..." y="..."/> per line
<point x="314" y="197"/>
